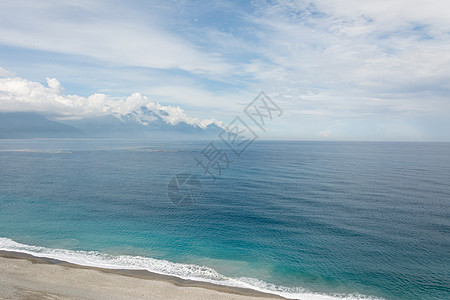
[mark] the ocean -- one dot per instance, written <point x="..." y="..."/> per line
<point x="302" y="219"/>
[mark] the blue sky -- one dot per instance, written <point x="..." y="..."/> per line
<point x="340" y="70"/>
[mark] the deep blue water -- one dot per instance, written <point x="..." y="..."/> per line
<point x="323" y="217"/>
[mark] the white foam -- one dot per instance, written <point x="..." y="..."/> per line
<point x="185" y="271"/>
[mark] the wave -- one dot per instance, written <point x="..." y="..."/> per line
<point x="184" y="271"/>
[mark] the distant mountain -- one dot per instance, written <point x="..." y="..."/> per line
<point x="143" y="123"/>
<point x="33" y="125"/>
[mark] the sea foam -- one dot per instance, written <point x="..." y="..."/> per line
<point x="184" y="271"/>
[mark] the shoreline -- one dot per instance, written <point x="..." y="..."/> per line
<point x="149" y="284"/>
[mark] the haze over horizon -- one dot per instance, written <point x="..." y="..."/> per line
<point x="339" y="70"/>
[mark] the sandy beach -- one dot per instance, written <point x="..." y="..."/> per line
<point x="24" y="276"/>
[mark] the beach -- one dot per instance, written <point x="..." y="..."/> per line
<point x="23" y="276"/>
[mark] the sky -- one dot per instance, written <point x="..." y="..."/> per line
<point x="376" y="70"/>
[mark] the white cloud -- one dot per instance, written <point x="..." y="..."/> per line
<point x="18" y="94"/>
<point x="358" y="56"/>
<point x="56" y="86"/>
<point x="124" y="37"/>
<point x="390" y="14"/>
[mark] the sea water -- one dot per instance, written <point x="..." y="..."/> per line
<point x="299" y="219"/>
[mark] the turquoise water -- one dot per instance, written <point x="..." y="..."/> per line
<point x="295" y="218"/>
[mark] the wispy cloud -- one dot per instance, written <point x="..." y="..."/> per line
<point x="103" y="31"/>
<point x="5" y="73"/>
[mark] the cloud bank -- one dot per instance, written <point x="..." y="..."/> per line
<point x="18" y="94"/>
